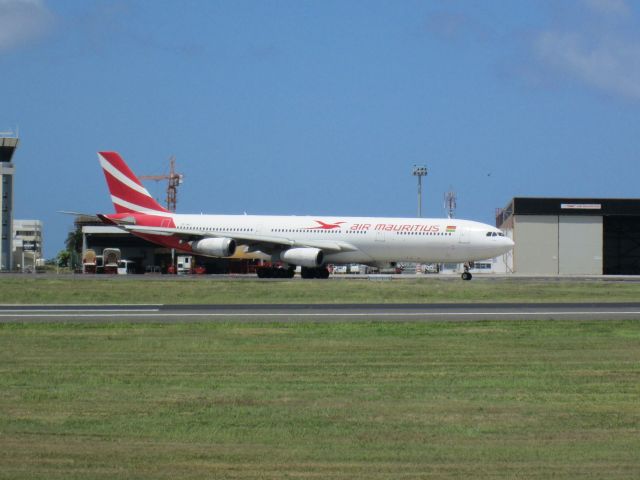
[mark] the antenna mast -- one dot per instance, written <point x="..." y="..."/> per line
<point x="450" y="203"/>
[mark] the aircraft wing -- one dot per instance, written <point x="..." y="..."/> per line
<point x="254" y="241"/>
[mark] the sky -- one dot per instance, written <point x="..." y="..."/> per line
<point x="321" y="107"/>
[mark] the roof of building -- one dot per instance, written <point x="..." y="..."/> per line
<point x="569" y="206"/>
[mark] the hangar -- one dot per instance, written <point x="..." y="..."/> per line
<point x="573" y="236"/>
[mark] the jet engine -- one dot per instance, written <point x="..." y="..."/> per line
<point x="305" y="257"/>
<point x="214" y="247"/>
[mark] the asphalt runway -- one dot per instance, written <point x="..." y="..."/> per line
<point x="317" y="313"/>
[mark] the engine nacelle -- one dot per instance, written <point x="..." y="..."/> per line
<point x="305" y="257"/>
<point x="214" y="247"/>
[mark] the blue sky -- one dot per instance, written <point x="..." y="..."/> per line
<point x="321" y="107"/>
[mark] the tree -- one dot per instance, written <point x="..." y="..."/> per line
<point x="63" y="258"/>
<point x="74" y="241"/>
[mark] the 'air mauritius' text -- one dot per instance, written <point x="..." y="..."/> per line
<point x="394" y="227"/>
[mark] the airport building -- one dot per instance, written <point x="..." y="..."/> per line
<point x="8" y="145"/>
<point x="27" y="243"/>
<point x="572" y="236"/>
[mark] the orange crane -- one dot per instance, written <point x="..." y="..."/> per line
<point x="174" y="178"/>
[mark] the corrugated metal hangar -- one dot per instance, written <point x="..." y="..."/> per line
<point x="573" y="236"/>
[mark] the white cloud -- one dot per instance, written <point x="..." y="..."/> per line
<point x="602" y="55"/>
<point x="22" y="21"/>
<point x="608" y="64"/>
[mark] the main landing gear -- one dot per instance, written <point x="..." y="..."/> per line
<point x="289" y="272"/>
<point x="319" y="272"/>
<point x="276" y="272"/>
<point x="466" y="275"/>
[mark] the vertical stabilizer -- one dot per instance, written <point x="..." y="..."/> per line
<point x="127" y="193"/>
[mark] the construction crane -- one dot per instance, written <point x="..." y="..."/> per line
<point x="174" y="179"/>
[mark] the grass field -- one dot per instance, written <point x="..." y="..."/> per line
<point x="547" y="399"/>
<point x="168" y="290"/>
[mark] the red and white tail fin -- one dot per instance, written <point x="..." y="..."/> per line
<point x="127" y="193"/>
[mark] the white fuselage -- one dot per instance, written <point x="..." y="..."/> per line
<point x="368" y="240"/>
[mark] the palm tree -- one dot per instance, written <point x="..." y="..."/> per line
<point x="73" y="242"/>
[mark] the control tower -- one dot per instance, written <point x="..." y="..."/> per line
<point x="8" y="145"/>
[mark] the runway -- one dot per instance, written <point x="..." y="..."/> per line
<point x="317" y="312"/>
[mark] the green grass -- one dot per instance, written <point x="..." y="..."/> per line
<point x="83" y="290"/>
<point x="545" y="399"/>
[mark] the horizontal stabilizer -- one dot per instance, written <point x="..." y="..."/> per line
<point x="78" y="214"/>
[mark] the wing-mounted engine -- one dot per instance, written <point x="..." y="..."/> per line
<point x="214" y="247"/>
<point x="305" y="257"/>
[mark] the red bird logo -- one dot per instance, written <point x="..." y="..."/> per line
<point x="325" y="226"/>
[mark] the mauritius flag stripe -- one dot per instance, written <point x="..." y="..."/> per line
<point x="451" y="228"/>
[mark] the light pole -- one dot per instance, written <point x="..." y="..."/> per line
<point x="419" y="171"/>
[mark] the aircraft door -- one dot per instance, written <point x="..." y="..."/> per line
<point x="464" y="236"/>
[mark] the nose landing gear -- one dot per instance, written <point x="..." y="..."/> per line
<point x="466" y="275"/>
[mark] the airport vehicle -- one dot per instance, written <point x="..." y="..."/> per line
<point x="111" y="260"/>
<point x="108" y="262"/>
<point x="340" y="270"/>
<point x="91" y="263"/>
<point x="184" y="264"/>
<point x="126" y="267"/>
<point x="310" y="242"/>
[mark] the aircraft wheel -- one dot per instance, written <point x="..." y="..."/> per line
<point x="322" y="273"/>
<point x="467" y="276"/>
<point x="265" y="272"/>
<point x="307" y="272"/>
<point x="283" y="273"/>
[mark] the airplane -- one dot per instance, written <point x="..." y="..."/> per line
<point x="310" y="242"/>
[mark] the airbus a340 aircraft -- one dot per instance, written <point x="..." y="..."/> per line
<point x="310" y="242"/>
